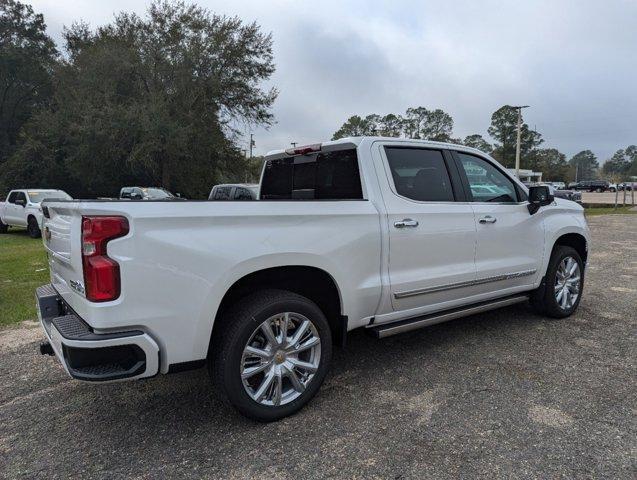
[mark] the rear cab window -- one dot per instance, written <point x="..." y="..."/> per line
<point x="420" y="174"/>
<point x="330" y="175"/>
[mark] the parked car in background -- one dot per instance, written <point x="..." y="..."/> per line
<point x="234" y="191"/>
<point x="613" y="187"/>
<point x="567" y="194"/>
<point x="378" y="233"/>
<point x="146" y="193"/>
<point x="557" y="185"/>
<point x="22" y="209"/>
<point x="591" y="185"/>
<point x="628" y="186"/>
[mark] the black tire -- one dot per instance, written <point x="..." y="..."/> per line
<point x="238" y="324"/>
<point x="613" y="190"/>
<point x="543" y="298"/>
<point x="3" y="227"/>
<point x="33" y="229"/>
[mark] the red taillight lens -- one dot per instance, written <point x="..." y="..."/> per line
<point x="101" y="273"/>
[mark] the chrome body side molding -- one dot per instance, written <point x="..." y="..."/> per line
<point x="450" y="286"/>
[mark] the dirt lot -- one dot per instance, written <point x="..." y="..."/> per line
<point x="503" y="394"/>
<point x="607" y="198"/>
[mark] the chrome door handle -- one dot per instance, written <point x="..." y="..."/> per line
<point x="488" y="219"/>
<point x="407" y="222"/>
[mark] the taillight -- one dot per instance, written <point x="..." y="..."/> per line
<point x="101" y="273"/>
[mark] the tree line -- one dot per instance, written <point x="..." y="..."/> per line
<point x="437" y="125"/>
<point x="145" y="100"/>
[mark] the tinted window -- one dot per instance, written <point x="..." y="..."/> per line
<point x="222" y="193"/>
<point x="487" y="183"/>
<point x="420" y="174"/>
<point x="242" y="194"/>
<point x="21" y="196"/>
<point x="321" y="176"/>
<point x="12" y="196"/>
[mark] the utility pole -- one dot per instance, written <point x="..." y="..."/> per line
<point x="251" y="144"/>
<point x="517" y="144"/>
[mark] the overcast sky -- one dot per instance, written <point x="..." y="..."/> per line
<point x="574" y="62"/>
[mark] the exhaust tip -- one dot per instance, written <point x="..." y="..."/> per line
<point x="46" y="349"/>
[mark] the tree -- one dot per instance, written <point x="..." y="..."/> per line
<point x="586" y="165"/>
<point x="550" y="162"/>
<point x="355" y="126"/>
<point x="417" y="122"/>
<point x="618" y="165"/>
<point x="504" y="130"/>
<point x="476" y="141"/>
<point x="438" y="126"/>
<point x="27" y="57"/>
<point x="155" y="100"/>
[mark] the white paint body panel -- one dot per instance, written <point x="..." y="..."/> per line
<point x="180" y="258"/>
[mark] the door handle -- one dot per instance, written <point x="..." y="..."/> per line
<point x="488" y="219"/>
<point x="407" y="222"/>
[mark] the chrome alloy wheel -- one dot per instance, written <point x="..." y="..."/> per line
<point x="568" y="281"/>
<point x="280" y="359"/>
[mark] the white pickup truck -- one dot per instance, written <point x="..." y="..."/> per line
<point x="384" y="234"/>
<point x="22" y="209"/>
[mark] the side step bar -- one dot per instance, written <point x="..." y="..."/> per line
<point x="389" y="329"/>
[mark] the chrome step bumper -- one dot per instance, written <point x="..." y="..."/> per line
<point x="90" y="356"/>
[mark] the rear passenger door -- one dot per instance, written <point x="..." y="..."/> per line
<point x="509" y="241"/>
<point x="431" y="235"/>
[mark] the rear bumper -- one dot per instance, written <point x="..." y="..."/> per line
<point x="90" y="356"/>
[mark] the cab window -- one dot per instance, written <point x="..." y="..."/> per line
<point x="486" y="182"/>
<point x="420" y="174"/>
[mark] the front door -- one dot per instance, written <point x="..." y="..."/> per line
<point x="431" y="236"/>
<point x="509" y="241"/>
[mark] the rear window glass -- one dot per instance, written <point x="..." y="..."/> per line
<point x="319" y="176"/>
<point x="420" y="174"/>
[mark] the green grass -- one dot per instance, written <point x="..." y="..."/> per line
<point x="23" y="268"/>
<point x="609" y="210"/>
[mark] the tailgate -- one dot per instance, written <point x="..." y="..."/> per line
<point x="61" y="236"/>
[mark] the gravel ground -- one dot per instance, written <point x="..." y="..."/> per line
<point x="503" y="394"/>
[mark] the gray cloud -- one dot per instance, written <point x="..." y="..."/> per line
<point x="574" y="62"/>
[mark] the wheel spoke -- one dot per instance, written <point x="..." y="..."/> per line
<point x="300" y="331"/>
<point x="278" y="389"/>
<point x="294" y="380"/>
<point x="560" y="295"/>
<point x="312" y="342"/>
<point x="558" y="287"/>
<point x="284" y="322"/>
<point x="263" y="388"/>
<point x="249" y="372"/>
<point x="564" y="302"/>
<point x="266" y="328"/>
<point x="256" y="352"/>
<point x="573" y="267"/>
<point x="308" y="367"/>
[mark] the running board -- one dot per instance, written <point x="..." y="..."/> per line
<point x="389" y="329"/>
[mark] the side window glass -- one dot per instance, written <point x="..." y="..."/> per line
<point x="12" y="197"/>
<point x="487" y="183"/>
<point x="420" y="174"/>
<point x="242" y="194"/>
<point x="222" y="193"/>
<point x="21" y="196"/>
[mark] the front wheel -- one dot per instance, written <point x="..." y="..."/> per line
<point x="33" y="228"/>
<point x="561" y="292"/>
<point x="272" y="354"/>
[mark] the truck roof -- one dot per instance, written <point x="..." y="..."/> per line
<point x="354" y="142"/>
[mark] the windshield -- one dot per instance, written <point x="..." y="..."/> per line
<point x="157" y="193"/>
<point x="38" y="196"/>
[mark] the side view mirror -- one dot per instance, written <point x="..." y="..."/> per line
<point x="21" y="202"/>
<point x="539" y="196"/>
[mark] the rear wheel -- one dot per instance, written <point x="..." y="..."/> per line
<point x="33" y="229"/>
<point x="272" y="354"/>
<point x="561" y="292"/>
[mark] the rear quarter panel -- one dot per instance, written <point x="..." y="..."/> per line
<point x="180" y="258"/>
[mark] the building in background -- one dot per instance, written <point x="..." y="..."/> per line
<point x="527" y="175"/>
